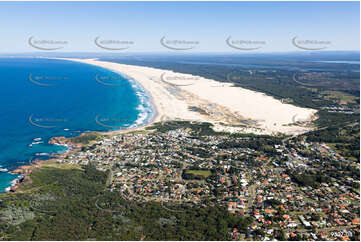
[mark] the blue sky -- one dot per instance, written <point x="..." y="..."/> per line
<point x="208" y="23"/>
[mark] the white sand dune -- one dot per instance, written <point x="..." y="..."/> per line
<point x="211" y="101"/>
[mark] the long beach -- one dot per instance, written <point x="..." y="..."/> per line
<point x="178" y="96"/>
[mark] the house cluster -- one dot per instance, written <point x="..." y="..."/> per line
<point x="176" y="167"/>
<point x="341" y="109"/>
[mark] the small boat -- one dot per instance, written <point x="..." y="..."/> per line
<point x="42" y="154"/>
<point x="35" y="143"/>
<point x="4" y="170"/>
<point x="37" y="139"/>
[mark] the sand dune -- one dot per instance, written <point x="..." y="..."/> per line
<point x="179" y="96"/>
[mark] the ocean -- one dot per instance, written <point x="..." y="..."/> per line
<point x="43" y="98"/>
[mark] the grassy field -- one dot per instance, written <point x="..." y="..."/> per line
<point x="54" y="164"/>
<point x="204" y="173"/>
<point x="86" y="138"/>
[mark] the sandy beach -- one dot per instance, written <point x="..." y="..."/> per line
<point x="178" y="96"/>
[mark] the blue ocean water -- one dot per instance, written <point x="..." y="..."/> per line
<point x="42" y="98"/>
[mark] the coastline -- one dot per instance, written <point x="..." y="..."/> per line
<point x="150" y="120"/>
<point x="23" y="171"/>
<point x="155" y="112"/>
<point x="169" y="101"/>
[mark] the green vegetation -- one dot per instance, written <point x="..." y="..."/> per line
<point x="204" y="173"/>
<point x="327" y="119"/>
<point x="339" y="97"/>
<point x="86" y="138"/>
<point x="313" y="180"/>
<point x="55" y="164"/>
<point x="73" y="204"/>
<point x="203" y="129"/>
<point x="196" y="174"/>
<point x="197" y="128"/>
<point x="345" y="140"/>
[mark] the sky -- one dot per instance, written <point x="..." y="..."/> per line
<point x="202" y="26"/>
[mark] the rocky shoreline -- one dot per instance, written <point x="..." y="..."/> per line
<point x="25" y="170"/>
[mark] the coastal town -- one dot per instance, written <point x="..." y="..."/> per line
<point x="180" y="121"/>
<point x="289" y="188"/>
